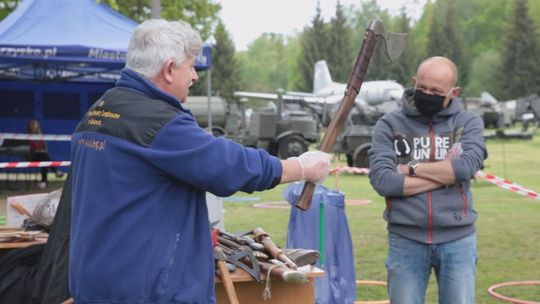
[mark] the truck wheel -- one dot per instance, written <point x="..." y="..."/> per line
<point x="217" y="132"/>
<point x="361" y="157"/>
<point x="350" y="162"/>
<point x="292" y="145"/>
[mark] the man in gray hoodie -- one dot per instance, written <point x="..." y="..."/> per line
<point x="422" y="160"/>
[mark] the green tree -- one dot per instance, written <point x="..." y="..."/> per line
<point x="480" y="24"/>
<point x="225" y="69"/>
<point x="313" y="46"/>
<point x="264" y="66"/>
<point x="443" y="40"/>
<point x="292" y="53"/>
<point x="339" y="58"/>
<point x="7" y="6"/>
<point x="201" y="14"/>
<point x="483" y="74"/>
<point x="520" y="64"/>
<point x="402" y="68"/>
<point x="380" y="66"/>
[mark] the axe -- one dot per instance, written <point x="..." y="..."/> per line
<point x="394" y="45"/>
<point x="225" y="276"/>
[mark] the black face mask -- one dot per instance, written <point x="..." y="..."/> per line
<point x="427" y="104"/>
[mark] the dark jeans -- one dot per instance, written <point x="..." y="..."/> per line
<point x="43" y="156"/>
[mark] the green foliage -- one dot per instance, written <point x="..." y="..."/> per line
<point x="292" y="55"/>
<point x="507" y="226"/>
<point x="403" y="67"/>
<point x="340" y="50"/>
<point x="201" y="14"/>
<point x="225" y="69"/>
<point x="470" y="32"/>
<point x="7" y="6"/>
<point x="443" y="39"/>
<point x="520" y="69"/>
<point x="480" y="24"/>
<point x="313" y="47"/>
<point x="368" y="10"/>
<point x="379" y="65"/>
<point x="483" y="75"/>
<point x="265" y="64"/>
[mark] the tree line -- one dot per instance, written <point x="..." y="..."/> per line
<point x="495" y="44"/>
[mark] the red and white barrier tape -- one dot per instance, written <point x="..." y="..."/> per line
<point x="350" y="170"/>
<point x="23" y="136"/>
<point x="35" y="164"/>
<point x="508" y="185"/>
<point x="499" y="181"/>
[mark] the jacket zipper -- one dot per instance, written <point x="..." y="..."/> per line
<point x="430" y="193"/>
<point x="389" y="209"/>
<point x="465" y="202"/>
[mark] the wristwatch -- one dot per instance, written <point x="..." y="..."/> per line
<point x="413" y="164"/>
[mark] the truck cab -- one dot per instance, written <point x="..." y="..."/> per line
<point x="282" y="131"/>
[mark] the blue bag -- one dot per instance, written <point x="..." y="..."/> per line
<point x="339" y="283"/>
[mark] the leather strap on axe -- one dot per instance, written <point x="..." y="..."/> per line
<point x="395" y="43"/>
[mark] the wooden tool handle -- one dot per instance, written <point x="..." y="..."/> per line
<point x="227" y="282"/>
<point x="225" y="276"/>
<point x="272" y="248"/>
<point x="304" y="202"/>
<point x="354" y="84"/>
<point x="21" y="209"/>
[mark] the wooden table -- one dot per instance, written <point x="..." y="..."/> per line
<point x="15" y="245"/>
<point x="7" y="246"/>
<point x="251" y="292"/>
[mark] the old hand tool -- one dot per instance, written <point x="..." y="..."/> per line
<point x="395" y="43"/>
<point x="225" y="276"/>
<point x="236" y="254"/>
<point x="261" y="236"/>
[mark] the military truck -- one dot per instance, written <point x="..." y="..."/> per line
<point x="494" y="113"/>
<point x="355" y="139"/>
<point x="281" y="131"/>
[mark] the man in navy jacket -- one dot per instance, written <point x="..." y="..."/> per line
<point x="140" y="168"/>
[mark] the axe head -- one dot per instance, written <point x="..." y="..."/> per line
<point x="394" y="42"/>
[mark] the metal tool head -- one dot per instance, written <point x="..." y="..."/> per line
<point x="237" y="258"/>
<point x="218" y="254"/>
<point x="394" y="42"/>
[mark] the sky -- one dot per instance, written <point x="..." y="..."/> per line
<point x="248" y="19"/>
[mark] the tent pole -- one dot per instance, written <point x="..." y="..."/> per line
<point x="209" y="93"/>
<point x="156" y="9"/>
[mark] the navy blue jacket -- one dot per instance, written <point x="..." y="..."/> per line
<point x="140" y="169"/>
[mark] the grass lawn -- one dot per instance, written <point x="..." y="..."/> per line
<point x="508" y="226"/>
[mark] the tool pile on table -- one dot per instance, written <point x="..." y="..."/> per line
<point x="14" y="235"/>
<point x="256" y="253"/>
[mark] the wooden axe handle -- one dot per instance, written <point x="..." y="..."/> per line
<point x="356" y="79"/>
<point x="226" y="279"/>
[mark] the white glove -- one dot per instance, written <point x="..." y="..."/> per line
<point x="315" y="166"/>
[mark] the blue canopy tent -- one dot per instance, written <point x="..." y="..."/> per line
<point x="56" y="58"/>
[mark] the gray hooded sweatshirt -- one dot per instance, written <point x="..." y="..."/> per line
<point x="437" y="216"/>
